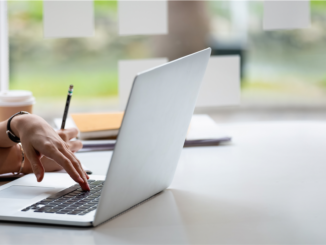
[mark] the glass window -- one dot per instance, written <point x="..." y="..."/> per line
<point x="280" y="68"/>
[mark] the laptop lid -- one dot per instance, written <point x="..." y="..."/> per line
<point x="152" y="134"/>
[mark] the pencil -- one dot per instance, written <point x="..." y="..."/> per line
<point x="65" y="113"/>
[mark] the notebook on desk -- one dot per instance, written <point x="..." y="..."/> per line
<point x="93" y="125"/>
<point x="203" y="131"/>
<point x="97" y="125"/>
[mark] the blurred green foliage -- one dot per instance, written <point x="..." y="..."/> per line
<point x="318" y="5"/>
<point x="33" y="10"/>
<point x="47" y="66"/>
<point x="92" y="84"/>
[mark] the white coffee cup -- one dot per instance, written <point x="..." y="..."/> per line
<point x="13" y="101"/>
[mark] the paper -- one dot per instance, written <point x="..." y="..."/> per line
<point x="203" y="126"/>
<point x="69" y="123"/>
<point x="143" y="17"/>
<point x="221" y="83"/>
<point x="286" y="15"/>
<point x="203" y="131"/>
<point x="69" y="18"/>
<point x="128" y="69"/>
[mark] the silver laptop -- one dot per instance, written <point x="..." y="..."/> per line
<point x="150" y="141"/>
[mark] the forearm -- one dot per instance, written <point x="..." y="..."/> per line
<point x="4" y="139"/>
<point x="17" y="123"/>
<point x="40" y="141"/>
<point x="10" y="159"/>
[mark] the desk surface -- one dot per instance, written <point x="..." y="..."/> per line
<point x="268" y="186"/>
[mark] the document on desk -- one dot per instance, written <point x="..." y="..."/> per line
<point x="203" y="131"/>
<point x="203" y="127"/>
<point x="286" y="15"/>
<point x="69" y="123"/>
<point x="68" y="19"/>
<point x="143" y="17"/>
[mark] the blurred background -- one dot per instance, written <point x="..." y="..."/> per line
<point x="283" y="72"/>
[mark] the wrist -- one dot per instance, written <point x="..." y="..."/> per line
<point x="17" y="158"/>
<point x="18" y="122"/>
<point x="13" y="159"/>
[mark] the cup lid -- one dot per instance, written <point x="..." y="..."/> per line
<point x="15" y="95"/>
<point x="16" y="98"/>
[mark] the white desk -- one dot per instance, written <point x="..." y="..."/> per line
<point x="267" y="187"/>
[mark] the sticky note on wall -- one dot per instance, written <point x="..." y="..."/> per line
<point x="68" y="18"/>
<point x="286" y="14"/>
<point x="221" y="83"/>
<point x="143" y="17"/>
<point x="128" y="69"/>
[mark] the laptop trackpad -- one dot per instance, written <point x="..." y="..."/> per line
<point x="25" y="192"/>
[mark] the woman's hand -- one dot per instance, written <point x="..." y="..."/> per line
<point x="50" y="165"/>
<point x="40" y="140"/>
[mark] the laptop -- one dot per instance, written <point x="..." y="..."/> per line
<point x="147" y="151"/>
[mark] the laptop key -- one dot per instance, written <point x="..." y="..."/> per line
<point x="72" y="200"/>
<point x="63" y="192"/>
<point x="74" y="212"/>
<point x="89" y="205"/>
<point x="69" y="209"/>
<point x="61" y="206"/>
<point x="74" y="206"/>
<point x="82" y="208"/>
<point x="51" y="205"/>
<point x="55" y="202"/>
<point x="97" y="182"/>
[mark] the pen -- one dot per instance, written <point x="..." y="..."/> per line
<point x="71" y="88"/>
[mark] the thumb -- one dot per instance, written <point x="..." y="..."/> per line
<point x="35" y="159"/>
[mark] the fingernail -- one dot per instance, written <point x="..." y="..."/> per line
<point x="81" y="180"/>
<point x="38" y="174"/>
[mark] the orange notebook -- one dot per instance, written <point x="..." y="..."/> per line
<point x="98" y="125"/>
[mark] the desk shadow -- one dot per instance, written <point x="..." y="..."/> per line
<point x="181" y="217"/>
<point x="156" y="221"/>
<point x="211" y="221"/>
<point x="173" y="216"/>
<point x="153" y="221"/>
<point x="28" y="233"/>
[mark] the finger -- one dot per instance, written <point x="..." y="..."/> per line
<point x="68" y="134"/>
<point x="62" y="160"/>
<point x="50" y="165"/>
<point x="76" y="163"/>
<point x="35" y="161"/>
<point x="75" y="145"/>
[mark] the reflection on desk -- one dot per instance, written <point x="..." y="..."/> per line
<point x="266" y="187"/>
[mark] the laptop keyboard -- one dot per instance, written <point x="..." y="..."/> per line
<point x="71" y="201"/>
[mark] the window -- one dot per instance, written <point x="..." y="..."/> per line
<point x="281" y="68"/>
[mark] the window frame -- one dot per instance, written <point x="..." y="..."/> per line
<point x="4" y="47"/>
